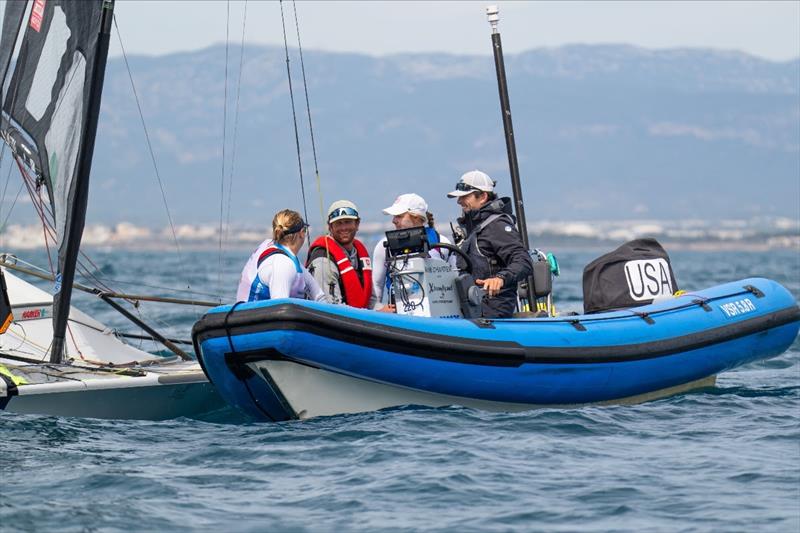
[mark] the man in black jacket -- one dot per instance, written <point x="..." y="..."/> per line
<point x="499" y="260"/>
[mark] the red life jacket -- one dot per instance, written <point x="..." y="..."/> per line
<point x="356" y="292"/>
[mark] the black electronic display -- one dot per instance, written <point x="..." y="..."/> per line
<point x="407" y="241"/>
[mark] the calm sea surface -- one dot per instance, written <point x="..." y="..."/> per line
<point x="724" y="459"/>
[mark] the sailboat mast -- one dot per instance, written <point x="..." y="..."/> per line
<point x="75" y="223"/>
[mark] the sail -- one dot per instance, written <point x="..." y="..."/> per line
<point x="49" y="113"/>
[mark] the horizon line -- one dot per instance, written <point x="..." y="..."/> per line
<point x="236" y="44"/>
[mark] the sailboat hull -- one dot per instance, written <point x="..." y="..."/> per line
<point x="149" y="397"/>
<point x="105" y="377"/>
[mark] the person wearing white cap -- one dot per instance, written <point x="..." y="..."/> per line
<point x="408" y="211"/>
<point x="492" y="242"/>
<point x="339" y="262"/>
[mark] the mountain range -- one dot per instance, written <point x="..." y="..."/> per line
<point x="602" y="131"/>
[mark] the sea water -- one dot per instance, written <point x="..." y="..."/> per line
<point x="720" y="459"/>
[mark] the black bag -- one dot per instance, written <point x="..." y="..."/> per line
<point x="632" y="275"/>
<point x="6" y="315"/>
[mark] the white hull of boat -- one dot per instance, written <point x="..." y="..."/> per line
<point x="150" y="397"/>
<point x="314" y="392"/>
<point x="104" y="378"/>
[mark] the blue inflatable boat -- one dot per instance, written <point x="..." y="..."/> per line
<point x="289" y="359"/>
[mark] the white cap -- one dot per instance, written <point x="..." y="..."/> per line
<point x="472" y="181"/>
<point x="408" y="203"/>
<point x="342" y="209"/>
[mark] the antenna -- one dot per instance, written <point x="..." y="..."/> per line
<point x="493" y="14"/>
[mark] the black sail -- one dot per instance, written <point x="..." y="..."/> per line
<point x="49" y="114"/>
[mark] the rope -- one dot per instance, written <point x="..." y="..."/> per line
<point x="294" y="119"/>
<point x="120" y="282"/>
<point x="313" y="143"/>
<point x="13" y="204"/>
<point x="235" y="124"/>
<point x="8" y="179"/>
<point x="45" y="214"/>
<point x="224" y="142"/>
<point x="153" y="157"/>
<point x="13" y="154"/>
<point x="308" y="112"/>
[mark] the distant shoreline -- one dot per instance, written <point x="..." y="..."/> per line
<point x="548" y="245"/>
<point x="756" y="235"/>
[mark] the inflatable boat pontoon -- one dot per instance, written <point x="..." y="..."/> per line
<point x="289" y="359"/>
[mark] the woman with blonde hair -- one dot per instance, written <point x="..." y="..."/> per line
<point x="273" y="270"/>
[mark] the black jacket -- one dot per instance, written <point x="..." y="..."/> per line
<point x="499" y="253"/>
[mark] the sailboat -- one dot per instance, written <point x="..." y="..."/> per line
<point x="54" y="359"/>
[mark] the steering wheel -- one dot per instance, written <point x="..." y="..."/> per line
<point x="458" y="251"/>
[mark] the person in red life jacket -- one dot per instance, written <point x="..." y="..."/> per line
<point x="339" y="262"/>
<point x="273" y="270"/>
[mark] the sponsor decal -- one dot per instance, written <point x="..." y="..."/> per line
<point x="648" y="279"/>
<point x="57" y="286"/>
<point x="30" y="313"/>
<point x="440" y="288"/>
<point x="739" y="307"/>
<point x="433" y="269"/>
<point x="37" y="15"/>
<point x="366" y="262"/>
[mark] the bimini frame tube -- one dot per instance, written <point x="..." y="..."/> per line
<point x="492" y="13"/>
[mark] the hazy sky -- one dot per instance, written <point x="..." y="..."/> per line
<point x="766" y="29"/>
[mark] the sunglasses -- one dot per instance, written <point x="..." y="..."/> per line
<point x="461" y="186"/>
<point x="343" y="211"/>
<point x="297" y="228"/>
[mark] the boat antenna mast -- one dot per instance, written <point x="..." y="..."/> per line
<point x="493" y="14"/>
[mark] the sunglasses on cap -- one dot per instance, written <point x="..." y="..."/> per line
<point x="465" y="187"/>
<point x="343" y="212"/>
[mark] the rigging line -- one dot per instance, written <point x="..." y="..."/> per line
<point x="10" y="118"/>
<point x="46" y="243"/>
<point x="14" y="203"/>
<point x="294" y="119"/>
<point x="45" y="214"/>
<point x="152" y="156"/>
<point x="308" y="112"/>
<point x="224" y="142"/>
<point x="89" y="274"/>
<point x="120" y="282"/>
<point x="173" y="290"/>
<point x="8" y="176"/>
<point x="235" y="125"/>
<point x="48" y="229"/>
<point x="36" y="200"/>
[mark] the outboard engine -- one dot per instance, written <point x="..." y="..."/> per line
<point x="423" y="285"/>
